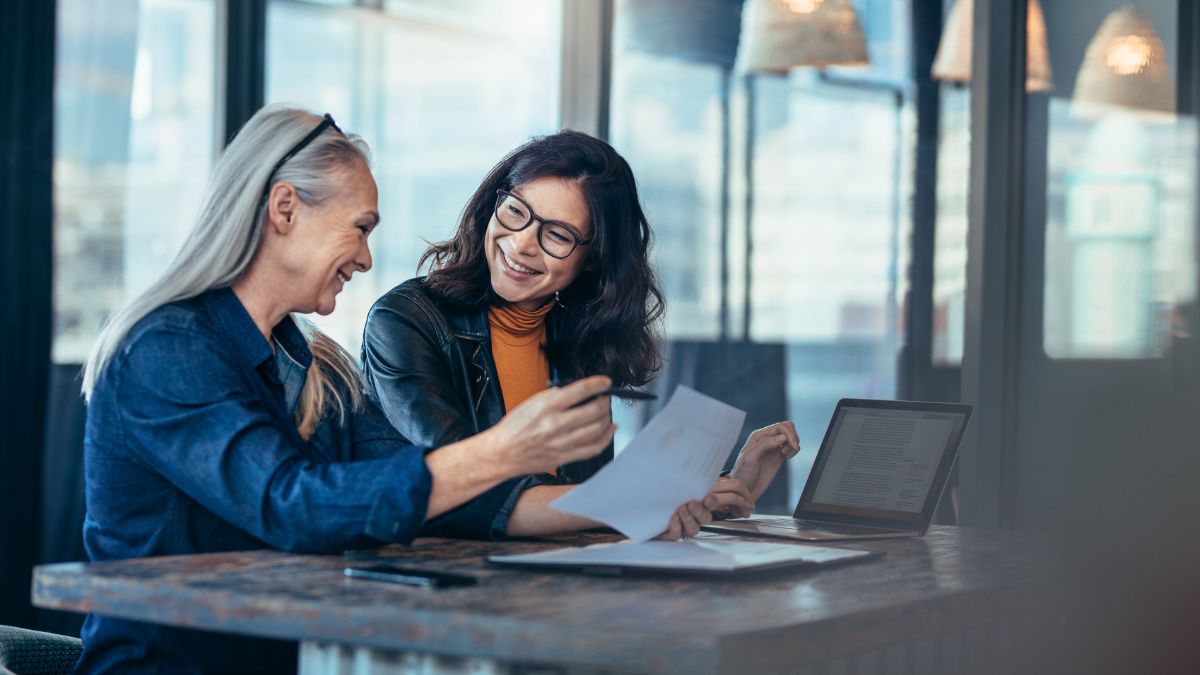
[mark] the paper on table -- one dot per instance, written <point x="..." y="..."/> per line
<point x="673" y="459"/>
<point x="709" y="554"/>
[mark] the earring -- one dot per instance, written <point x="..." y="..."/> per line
<point x="558" y="300"/>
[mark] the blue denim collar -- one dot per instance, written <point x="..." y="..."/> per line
<point x="234" y="321"/>
<point x="292" y="360"/>
<point x="291" y="340"/>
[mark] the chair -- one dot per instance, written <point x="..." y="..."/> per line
<point x="31" y="652"/>
<point x="747" y="375"/>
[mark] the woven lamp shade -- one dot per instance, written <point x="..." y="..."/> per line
<point x="953" y="60"/>
<point x="1126" y="65"/>
<point x="778" y="35"/>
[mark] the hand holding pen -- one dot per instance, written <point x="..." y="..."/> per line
<point x="626" y="393"/>
<point x="554" y="427"/>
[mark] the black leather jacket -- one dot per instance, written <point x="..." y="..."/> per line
<point x="430" y="368"/>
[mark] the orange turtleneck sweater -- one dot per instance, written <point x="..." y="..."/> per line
<point x="517" y="340"/>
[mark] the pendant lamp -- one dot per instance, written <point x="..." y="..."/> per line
<point x="953" y="60"/>
<point x="778" y="35"/>
<point x="1126" y="65"/>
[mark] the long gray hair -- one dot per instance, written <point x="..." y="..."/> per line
<point x="228" y="231"/>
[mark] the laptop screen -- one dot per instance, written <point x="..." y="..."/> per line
<point x="884" y="459"/>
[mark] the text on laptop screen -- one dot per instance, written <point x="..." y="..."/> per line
<point x="883" y="459"/>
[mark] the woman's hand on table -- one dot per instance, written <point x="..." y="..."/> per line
<point x="766" y="450"/>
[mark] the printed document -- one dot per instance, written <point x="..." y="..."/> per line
<point x="676" y="458"/>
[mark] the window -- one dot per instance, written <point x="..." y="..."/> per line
<point x="1120" y="215"/>
<point x="830" y="223"/>
<point x="666" y="122"/>
<point x="830" y="190"/>
<point x="134" y="141"/>
<point x="440" y="91"/>
<point x="1117" y="192"/>
<point x="950" y="234"/>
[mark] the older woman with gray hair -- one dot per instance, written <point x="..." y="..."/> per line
<point x="216" y="423"/>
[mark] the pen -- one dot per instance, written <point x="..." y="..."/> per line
<point x="409" y="577"/>
<point x="627" y="393"/>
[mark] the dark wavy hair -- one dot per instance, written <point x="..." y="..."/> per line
<point x="607" y="320"/>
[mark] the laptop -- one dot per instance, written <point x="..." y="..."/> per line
<point x="879" y="474"/>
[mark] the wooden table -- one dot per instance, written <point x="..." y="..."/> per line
<point x="952" y="601"/>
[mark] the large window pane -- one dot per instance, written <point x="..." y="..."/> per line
<point x="440" y="91"/>
<point x="667" y="123"/>
<point x="827" y="203"/>
<point x="1118" y="234"/>
<point x="830" y="222"/>
<point x="1120" y="187"/>
<point x="1118" y="190"/>
<point x="134" y="120"/>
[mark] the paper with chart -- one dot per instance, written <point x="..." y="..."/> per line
<point x="673" y="459"/>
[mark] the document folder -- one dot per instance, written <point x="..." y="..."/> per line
<point x="706" y="554"/>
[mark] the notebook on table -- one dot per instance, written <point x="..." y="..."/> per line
<point x="707" y="554"/>
<point x="879" y="474"/>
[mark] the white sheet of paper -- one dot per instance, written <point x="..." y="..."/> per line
<point x="674" y="459"/>
<point x="703" y="554"/>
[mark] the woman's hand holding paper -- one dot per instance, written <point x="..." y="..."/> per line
<point x="764" y="452"/>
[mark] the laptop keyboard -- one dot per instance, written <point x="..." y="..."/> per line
<point x="789" y="523"/>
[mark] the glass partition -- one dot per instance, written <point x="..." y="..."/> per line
<point x="134" y="141"/>
<point x="667" y="121"/>
<point x="1120" y="184"/>
<point x="441" y="91"/>
<point x="780" y="205"/>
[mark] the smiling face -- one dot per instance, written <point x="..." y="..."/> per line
<point x="521" y="272"/>
<point x="328" y="243"/>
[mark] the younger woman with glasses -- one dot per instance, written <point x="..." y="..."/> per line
<point x="546" y="279"/>
<point x="216" y="423"/>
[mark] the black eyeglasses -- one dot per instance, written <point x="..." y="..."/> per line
<point x="326" y="122"/>
<point x="556" y="239"/>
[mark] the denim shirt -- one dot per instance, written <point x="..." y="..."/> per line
<point x="191" y="447"/>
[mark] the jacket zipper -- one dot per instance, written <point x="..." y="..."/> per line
<point x="483" y="376"/>
<point x="481" y="391"/>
